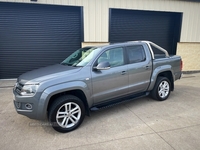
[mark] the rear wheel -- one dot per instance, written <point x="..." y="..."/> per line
<point x="66" y="113"/>
<point x="162" y="89"/>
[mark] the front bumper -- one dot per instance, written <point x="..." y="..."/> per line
<point x="25" y="105"/>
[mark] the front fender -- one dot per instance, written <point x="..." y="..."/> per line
<point x="50" y="91"/>
<point x="157" y="71"/>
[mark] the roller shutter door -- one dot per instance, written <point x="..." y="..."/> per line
<point x="163" y="28"/>
<point x="35" y="35"/>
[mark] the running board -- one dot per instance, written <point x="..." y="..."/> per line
<point x="118" y="101"/>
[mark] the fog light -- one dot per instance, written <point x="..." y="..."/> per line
<point x="28" y="106"/>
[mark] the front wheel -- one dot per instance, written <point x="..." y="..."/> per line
<point x="67" y="113"/>
<point x="162" y="89"/>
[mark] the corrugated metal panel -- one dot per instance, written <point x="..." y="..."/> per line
<point x="190" y="9"/>
<point x="159" y="27"/>
<point x="32" y="36"/>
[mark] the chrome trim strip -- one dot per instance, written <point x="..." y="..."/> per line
<point x="20" y="110"/>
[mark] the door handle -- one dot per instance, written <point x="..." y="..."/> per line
<point x="147" y="67"/>
<point x="123" y="72"/>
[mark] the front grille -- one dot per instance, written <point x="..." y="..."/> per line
<point x="18" y="87"/>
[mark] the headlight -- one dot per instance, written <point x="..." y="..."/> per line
<point x="29" y="89"/>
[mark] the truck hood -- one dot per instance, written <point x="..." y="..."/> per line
<point x="47" y="73"/>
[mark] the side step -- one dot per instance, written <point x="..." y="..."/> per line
<point x="118" y="101"/>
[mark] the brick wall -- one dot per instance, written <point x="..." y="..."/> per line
<point x="190" y="53"/>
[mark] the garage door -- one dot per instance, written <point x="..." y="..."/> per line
<point x="33" y="36"/>
<point x="163" y="28"/>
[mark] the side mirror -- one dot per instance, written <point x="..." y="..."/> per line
<point x="102" y="66"/>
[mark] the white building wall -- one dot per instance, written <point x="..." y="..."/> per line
<point x="96" y="15"/>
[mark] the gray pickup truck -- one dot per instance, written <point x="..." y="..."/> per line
<point x="93" y="78"/>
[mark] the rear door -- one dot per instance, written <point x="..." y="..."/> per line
<point x="139" y="68"/>
<point x="111" y="83"/>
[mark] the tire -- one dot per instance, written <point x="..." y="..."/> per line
<point x="66" y="113"/>
<point x="162" y="89"/>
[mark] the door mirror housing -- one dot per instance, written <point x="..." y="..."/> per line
<point x="102" y="66"/>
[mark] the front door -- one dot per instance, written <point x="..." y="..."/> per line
<point x="111" y="83"/>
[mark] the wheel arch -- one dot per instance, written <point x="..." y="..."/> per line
<point x="76" y="92"/>
<point x="164" y="71"/>
<point x="79" y="89"/>
<point x="168" y="74"/>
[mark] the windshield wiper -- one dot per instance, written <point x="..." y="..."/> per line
<point x="66" y="64"/>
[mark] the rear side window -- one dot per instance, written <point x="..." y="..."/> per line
<point x="136" y="53"/>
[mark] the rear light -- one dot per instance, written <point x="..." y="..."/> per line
<point x="181" y="65"/>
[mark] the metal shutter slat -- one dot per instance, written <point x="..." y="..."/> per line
<point x="35" y="35"/>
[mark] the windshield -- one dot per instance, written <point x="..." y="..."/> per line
<point x="80" y="58"/>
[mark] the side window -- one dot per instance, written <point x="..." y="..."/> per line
<point x="136" y="53"/>
<point x="114" y="56"/>
<point x="157" y="53"/>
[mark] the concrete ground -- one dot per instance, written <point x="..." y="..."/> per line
<point x="142" y="124"/>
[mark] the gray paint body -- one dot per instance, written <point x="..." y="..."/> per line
<point x="98" y="86"/>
